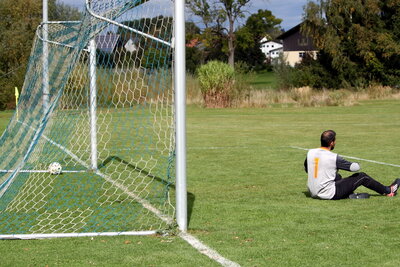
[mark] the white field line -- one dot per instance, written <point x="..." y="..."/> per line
<point x="220" y="147"/>
<point x="350" y="157"/>
<point x="209" y="252"/>
<point x="45" y="236"/>
<point x="69" y="153"/>
<point x="190" y="239"/>
<point x="142" y="201"/>
<point x="41" y="171"/>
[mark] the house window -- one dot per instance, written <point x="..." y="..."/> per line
<point x="302" y="54"/>
<point x="272" y="45"/>
<point x="302" y="41"/>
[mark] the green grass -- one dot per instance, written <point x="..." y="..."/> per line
<point x="264" y="80"/>
<point x="248" y="196"/>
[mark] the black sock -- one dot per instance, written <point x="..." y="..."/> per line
<point x="388" y="190"/>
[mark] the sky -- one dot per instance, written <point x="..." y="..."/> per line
<point x="290" y="11"/>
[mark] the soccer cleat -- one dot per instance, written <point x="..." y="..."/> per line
<point x="394" y="187"/>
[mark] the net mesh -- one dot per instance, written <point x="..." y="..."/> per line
<point x="130" y="134"/>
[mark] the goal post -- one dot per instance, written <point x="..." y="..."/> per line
<point x="93" y="103"/>
<point x="180" y="103"/>
<point x="114" y="98"/>
<point x="45" y="57"/>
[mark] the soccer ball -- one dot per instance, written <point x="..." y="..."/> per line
<point x="55" y="168"/>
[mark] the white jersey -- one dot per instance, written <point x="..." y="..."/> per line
<point x="322" y="166"/>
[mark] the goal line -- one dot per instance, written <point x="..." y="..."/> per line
<point x="41" y="171"/>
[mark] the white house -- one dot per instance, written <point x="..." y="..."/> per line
<point x="271" y="49"/>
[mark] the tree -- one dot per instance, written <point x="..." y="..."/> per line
<point x="18" y="24"/>
<point x="258" y="25"/>
<point x="62" y="12"/>
<point x="359" y="40"/>
<point x="233" y="10"/>
<point x="194" y="55"/>
<point x="214" y="14"/>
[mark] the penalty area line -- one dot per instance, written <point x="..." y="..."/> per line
<point x="350" y="157"/>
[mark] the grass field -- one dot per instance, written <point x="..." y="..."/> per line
<point x="264" y="80"/>
<point x="247" y="196"/>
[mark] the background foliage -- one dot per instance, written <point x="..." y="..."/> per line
<point x="217" y="80"/>
<point x="359" y="41"/>
<point x="18" y="22"/>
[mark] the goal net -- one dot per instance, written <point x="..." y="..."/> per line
<point x="97" y="99"/>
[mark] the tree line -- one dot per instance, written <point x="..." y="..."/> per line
<point x="18" y="22"/>
<point x="358" y="41"/>
<point x="222" y="38"/>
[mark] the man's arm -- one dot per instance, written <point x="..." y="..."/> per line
<point x="343" y="164"/>
<point x="305" y="165"/>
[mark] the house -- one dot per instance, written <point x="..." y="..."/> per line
<point x="110" y="43"/>
<point x="107" y="43"/>
<point x="271" y="49"/>
<point x="132" y="45"/>
<point x="193" y="43"/>
<point x="296" y="46"/>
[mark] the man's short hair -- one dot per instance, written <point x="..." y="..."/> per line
<point x="327" y="137"/>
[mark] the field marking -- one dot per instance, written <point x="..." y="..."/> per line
<point x="219" y="147"/>
<point x="209" y="252"/>
<point x="190" y="239"/>
<point x="350" y="157"/>
<point x="41" y="171"/>
<point x="62" y="235"/>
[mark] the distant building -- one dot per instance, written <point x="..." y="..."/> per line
<point x="296" y="46"/>
<point x="193" y="43"/>
<point x="107" y="43"/>
<point x="271" y="49"/>
<point x="131" y="45"/>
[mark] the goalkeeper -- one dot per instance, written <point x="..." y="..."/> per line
<point x="325" y="182"/>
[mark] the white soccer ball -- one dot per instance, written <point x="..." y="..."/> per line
<point x="55" y="168"/>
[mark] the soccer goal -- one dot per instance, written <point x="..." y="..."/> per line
<point x="100" y="132"/>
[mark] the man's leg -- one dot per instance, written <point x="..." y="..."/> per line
<point x="346" y="186"/>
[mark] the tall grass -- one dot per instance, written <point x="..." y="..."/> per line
<point x="301" y="97"/>
<point x="136" y="86"/>
<point x="217" y="83"/>
<point x="118" y="87"/>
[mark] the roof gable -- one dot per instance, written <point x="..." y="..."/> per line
<point x="289" y="32"/>
<point x="107" y="43"/>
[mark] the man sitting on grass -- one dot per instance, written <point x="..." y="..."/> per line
<point x="325" y="182"/>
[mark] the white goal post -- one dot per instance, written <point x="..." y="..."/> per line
<point x="180" y="102"/>
<point x="105" y="98"/>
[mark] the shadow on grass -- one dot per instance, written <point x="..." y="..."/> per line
<point x="190" y="196"/>
<point x="308" y="195"/>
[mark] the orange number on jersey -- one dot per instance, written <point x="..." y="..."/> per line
<point x="316" y="160"/>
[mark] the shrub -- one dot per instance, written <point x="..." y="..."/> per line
<point x="216" y="80"/>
